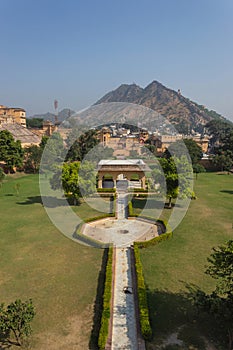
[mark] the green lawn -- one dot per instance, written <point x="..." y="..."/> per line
<point x="172" y="264"/>
<point x="38" y="262"/>
<point x="61" y="276"/>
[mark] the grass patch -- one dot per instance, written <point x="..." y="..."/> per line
<point x="169" y="266"/>
<point x="38" y="262"/>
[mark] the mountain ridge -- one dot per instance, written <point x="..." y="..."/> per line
<point x="187" y="116"/>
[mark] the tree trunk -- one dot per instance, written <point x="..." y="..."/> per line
<point x="17" y="337"/>
<point x="170" y="202"/>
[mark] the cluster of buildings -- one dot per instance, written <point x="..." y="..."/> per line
<point x="14" y="120"/>
<point x="126" y="142"/>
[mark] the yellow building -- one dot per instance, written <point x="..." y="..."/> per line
<point x="121" y="145"/>
<point x="12" y="115"/>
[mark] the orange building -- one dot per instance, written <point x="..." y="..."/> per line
<point x="12" y="115"/>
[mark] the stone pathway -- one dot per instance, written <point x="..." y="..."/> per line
<point x="121" y="233"/>
<point x="121" y="206"/>
<point x="124" y="330"/>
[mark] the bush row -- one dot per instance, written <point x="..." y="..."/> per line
<point x="94" y="218"/>
<point x="156" y="240"/>
<point x="103" y="334"/>
<point x="130" y="209"/>
<point x="106" y="190"/>
<point x="138" y="190"/>
<point x="88" y="240"/>
<point x="165" y="235"/>
<point x="145" y="326"/>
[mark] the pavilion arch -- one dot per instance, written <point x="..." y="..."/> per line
<point x="126" y="168"/>
<point x="107" y="181"/>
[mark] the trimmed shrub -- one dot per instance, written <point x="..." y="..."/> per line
<point x="130" y="209"/>
<point x="99" y="217"/>
<point x="138" y="190"/>
<point x="103" y="334"/>
<point x="167" y="234"/>
<point x="155" y="240"/>
<point x="145" y="326"/>
<point x="106" y="190"/>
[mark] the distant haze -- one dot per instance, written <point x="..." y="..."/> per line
<point x="77" y="51"/>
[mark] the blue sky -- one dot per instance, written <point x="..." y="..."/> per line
<point x="76" y="51"/>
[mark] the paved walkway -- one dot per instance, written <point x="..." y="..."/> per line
<point x="121" y="206"/>
<point x="124" y="330"/>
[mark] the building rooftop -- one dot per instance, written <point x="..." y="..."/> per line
<point x="21" y="133"/>
<point x="119" y="162"/>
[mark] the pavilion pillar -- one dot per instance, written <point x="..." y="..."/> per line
<point x="114" y="177"/>
<point x="143" y="182"/>
<point x="100" y="181"/>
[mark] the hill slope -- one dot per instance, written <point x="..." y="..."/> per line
<point x="184" y="114"/>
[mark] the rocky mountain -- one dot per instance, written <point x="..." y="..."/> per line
<point x="184" y="114"/>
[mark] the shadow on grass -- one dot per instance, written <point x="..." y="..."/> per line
<point x="139" y="203"/>
<point x="49" y="201"/>
<point x="5" y="342"/>
<point x="98" y="305"/>
<point x="227" y="191"/>
<point x="173" y="313"/>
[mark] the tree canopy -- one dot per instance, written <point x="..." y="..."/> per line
<point x="34" y="122"/>
<point x="177" y="173"/>
<point x="81" y="146"/>
<point x="11" y="151"/>
<point x="53" y="151"/>
<point x="76" y="179"/>
<point x="32" y="157"/>
<point x="2" y="176"/>
<point x="182" y="147"/>
<point x="15" y="319"/>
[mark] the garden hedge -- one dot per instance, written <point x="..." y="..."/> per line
<point x="154" y="241"/>
<point x="106" y="190"/>
<point x="103" y="334"/>
<point x="138" y="190"/>
<point x="94" y="218"/>
<point x="145" y="326"/>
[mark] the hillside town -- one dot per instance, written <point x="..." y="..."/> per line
<point x="122" y="139"/>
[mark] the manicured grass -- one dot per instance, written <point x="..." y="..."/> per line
<point x="171" y="265"/>
<point x="38" y="262"/>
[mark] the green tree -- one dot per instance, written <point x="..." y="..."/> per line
<point x="15" y="320"/>
<point x="44" y="141"/>
<point x="11" y="151"/>
<point x="32" y="157"/>
<point x="223" y="161"/>
<point x="76" y="179"/>
<point x="191" y="147"/>
<point x="198" y="168"/>
<point x="219" y="132"/>
<point x="2" y="176"/>
<point x="219" y="303"/>
<point x="87" y="179"/>
<point x="99" y="152"/>
<point x="151" y="148"/>
<point x="82" y="146"/>
<point x="53" y="152"/>
<point x="177" y="173"/>
<point x="34" y="122"/>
